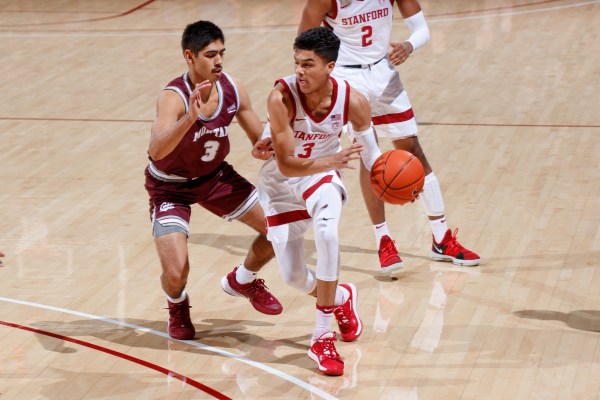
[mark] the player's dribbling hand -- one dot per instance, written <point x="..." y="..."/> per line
<point x="263" y="149"/>
<point x="400" y="52"/>
<point x="341" y="160"/>
<point x="1" y="255"/>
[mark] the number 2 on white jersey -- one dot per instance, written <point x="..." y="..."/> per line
<point x="366" y="37"/>
<point x="210" y="150"/>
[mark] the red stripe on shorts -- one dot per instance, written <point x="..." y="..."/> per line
<point x="287" y="217"/>
<point x="308" y="192"/>
<point x="391" y="118"/>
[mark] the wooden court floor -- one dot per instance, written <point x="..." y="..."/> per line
<point x="507" y="97"/>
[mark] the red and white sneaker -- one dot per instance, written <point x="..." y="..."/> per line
<point x="180" y="324"/>
<point x="346" y="316"/>
<point x="450" y="250"/>
<point x="261" y="299"/>
<point x="323" y="352"/>
<point x="388" y="256"/>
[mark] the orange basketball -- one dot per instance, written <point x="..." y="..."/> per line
<point x="397" y="177"/>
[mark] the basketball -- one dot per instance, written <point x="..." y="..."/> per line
<point x="397" y="177"/>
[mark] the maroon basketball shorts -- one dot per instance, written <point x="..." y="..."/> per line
<point x="224" y="193"/>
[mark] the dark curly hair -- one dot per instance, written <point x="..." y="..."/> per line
<point x="321" y="40"/>
<point x="200" y="34"/>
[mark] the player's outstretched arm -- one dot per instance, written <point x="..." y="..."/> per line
<point x="313" y="14"/>
<point x="280" y="114"/>
<point x="246" y="116"/>
<point x="172" y="122"/>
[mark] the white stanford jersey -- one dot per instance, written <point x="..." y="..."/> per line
<point x="364" y="28"/>
<point x="318" y="137"/>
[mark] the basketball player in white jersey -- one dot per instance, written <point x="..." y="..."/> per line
<point x="366" y="60"/>
<point x="302" y="186"/>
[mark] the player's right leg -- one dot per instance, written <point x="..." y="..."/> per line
<point x="170" y="216"/>
<point x="173" y="254"/>
<point x="389" y="259"/>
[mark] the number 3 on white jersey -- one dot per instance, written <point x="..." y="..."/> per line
<point x="210" y="150"/>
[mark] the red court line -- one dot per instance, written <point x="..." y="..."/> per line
<point x="134" y="9"/>
<point x="173" y="374"/>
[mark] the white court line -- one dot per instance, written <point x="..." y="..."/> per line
<point x="246" y="30"/>
<point x="222" y="352"/>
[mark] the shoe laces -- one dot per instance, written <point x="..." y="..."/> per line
<point x="342" y="318"/>
<point x="388" y="248"/>
<point x="328" y="348"/>
<point x="259" y="288"/>
<point x="453" y="246"/>
<point x="179" y="312"/>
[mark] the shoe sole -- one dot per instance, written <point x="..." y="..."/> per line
<point x="354" y="294"/>
<point x="456" y="261"/>
<point x="314" y="357"/>
<point x="391" y="268"/>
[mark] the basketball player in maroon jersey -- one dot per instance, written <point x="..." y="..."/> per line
<point x="188" y="145"/>
<point x="367" y="59"/>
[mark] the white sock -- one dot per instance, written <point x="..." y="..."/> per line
<point x="179" y="299"/>
<point x="439" y="228"/>
<point x="323" y="324"/>
<point x="341" y="295"/>
<point x="244" y="276"/>
<point x="381" y="230"/>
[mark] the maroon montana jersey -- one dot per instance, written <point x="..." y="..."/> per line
<point x="206" y="144"/>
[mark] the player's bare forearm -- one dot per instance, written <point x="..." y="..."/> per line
<point x="293" y="166"/>
<point x="164" y="139"/>
<point x="313" y="14"/>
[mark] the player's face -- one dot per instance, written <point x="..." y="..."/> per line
<point x="208" y="64"/>
<point x="312" y="72"/>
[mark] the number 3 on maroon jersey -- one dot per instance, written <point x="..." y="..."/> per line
<point x="367" y="33"/>
<point x="307" y="150"/>
<point x="211" y="148"/>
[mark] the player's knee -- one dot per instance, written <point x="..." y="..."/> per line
<point x="326" y="231"/>
<point x="175" y="278"/>
<point x="300" y="279"/>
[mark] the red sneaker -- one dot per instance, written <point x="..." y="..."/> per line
<point x="323" y="352"/>
<point x="346" y="316"/>
<point x="450" y="250"/>
<point x="180" y="324"/>
<point x="261" y="299"/>
<point x="388" y="256"/>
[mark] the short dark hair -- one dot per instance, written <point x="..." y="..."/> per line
<point x="200" y="34"/>
<point x="321" y="40"/>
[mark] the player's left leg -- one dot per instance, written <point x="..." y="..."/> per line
<point x="325" y="207"/>
<point x="231" y="196"/>
<point x="445" y="246"/>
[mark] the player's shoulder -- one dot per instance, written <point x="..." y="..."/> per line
<point x="357" y="97"/>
